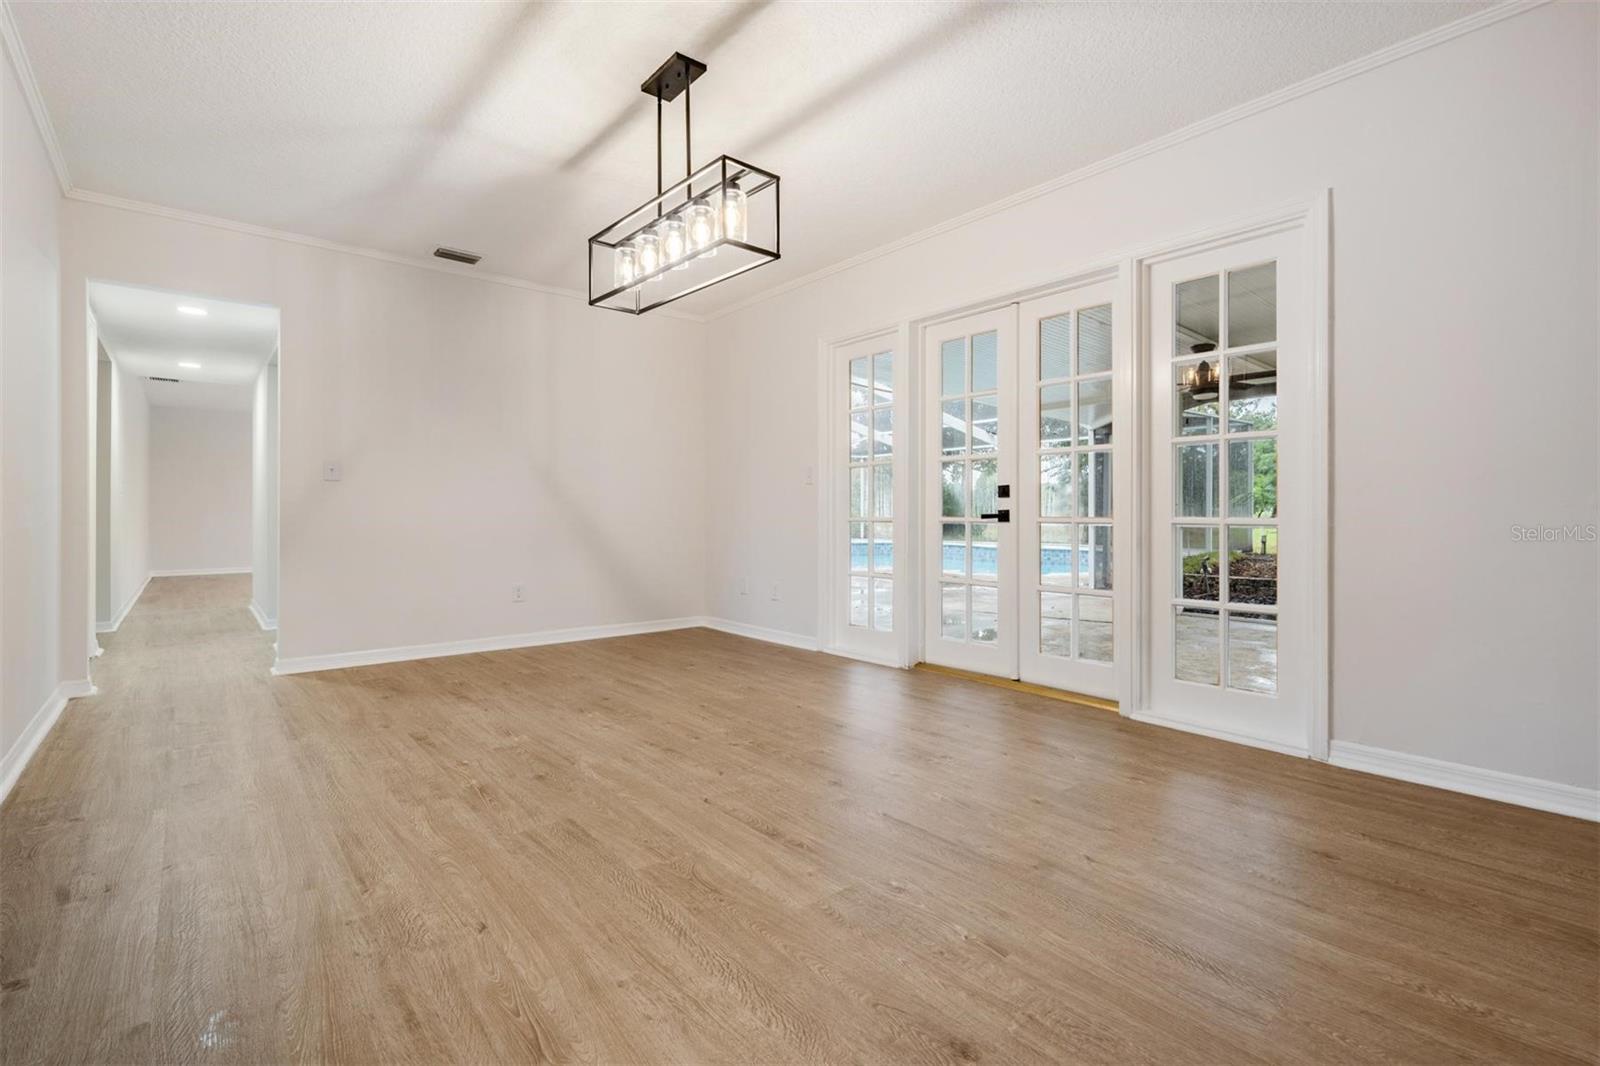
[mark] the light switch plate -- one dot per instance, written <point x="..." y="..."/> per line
<point x="333" y="471"/>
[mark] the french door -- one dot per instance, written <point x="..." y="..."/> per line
<point x="1067" y="563"/>
<point x="970" y="537"/>
<point x="1229" y="430"/>
<point x="1118" y="489"/>
<point x="1019" y="516"/>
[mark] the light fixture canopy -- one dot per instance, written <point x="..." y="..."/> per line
<point x="719" y="221"/>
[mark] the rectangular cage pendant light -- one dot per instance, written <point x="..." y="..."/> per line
<point x="719" y="221"/>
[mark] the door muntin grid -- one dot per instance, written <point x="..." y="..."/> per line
<point x="1072" y="577"/>
<point x="1224" y="437"/>
<point x="870" y="516"/>
<point x="969" y="480"/>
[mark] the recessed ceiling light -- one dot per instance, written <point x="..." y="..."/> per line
<point x="190" y="309"/>
<point x="190" y="366"/>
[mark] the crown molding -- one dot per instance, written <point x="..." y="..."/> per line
<point x="30" y="89"/>
<point x="1354" y="68"/>
<point x="47" y="133"/>
<point x="437" y="266"/>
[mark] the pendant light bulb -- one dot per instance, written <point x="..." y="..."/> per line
<point x="702" y="229"/>
<point x="649" y="252"/>
<point x="735" y="221"/>
<point x="627" y="265"/>
<point x="674" y="246"/>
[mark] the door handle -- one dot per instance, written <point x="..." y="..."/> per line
<point x="1003" y="515"/>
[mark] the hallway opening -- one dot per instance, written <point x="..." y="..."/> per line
<point x="185" y="450"/>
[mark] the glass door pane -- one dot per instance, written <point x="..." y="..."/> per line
<point x="871" y="454"/>
<point x="865" y="449"/>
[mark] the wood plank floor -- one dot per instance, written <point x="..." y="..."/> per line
<point x="690" y="847"/>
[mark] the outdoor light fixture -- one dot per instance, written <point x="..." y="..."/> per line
<point x="669" y="246"/>
<point x="1200" y="381"/>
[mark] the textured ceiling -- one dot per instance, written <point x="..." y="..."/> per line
<point x="143" y="330"/>
<point x="517" y="131"/>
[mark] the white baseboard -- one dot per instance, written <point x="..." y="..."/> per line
<point x="306" y="664"/>
<point x="875" y="658"/>
<point x="44" y="719"/>
<point x="261" y="618"/>
<point x="203" y="572"/>
<point x="771" y="636"/>
<point x="1298" y="750"/>
<point x="122" y="615"/>
<point x="1474" y="781"/>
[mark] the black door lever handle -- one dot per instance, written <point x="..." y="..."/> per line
<point x="1003" y="516"/>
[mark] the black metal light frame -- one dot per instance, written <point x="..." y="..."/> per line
<point x="672" y="78"/>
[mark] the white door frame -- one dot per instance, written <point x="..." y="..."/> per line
<point x="1309" y="220"/>
<point x="1312" y="217"/>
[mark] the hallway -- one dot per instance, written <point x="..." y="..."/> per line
<point x="689" y="846"/>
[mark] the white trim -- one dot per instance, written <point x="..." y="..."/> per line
<point x="122" y="615"/>
<point x="891" y="661"/>
<point x="1354" y="68"/>
<point x="178" y="214"/>
<point x="1130" y="374"/>
<point x="1216" y="734"/>
<point x="826" y="488"/>
<point x="44" y="719"/>
<point x="202" y="572"/>
<point x="1474" y="781"/>
<point x="770" y="636"/>
<point x="261" y="617"/>
<point x="30" y="89"/>
<point x="343" y="660"/>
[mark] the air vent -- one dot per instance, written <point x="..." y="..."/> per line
<point x="175" y="381"/>
<point x="456" y="255"/>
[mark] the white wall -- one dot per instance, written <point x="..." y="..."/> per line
<point x="489" y="435"/>
<point x="264" y="496"/>
<point x="129" y="491"/>
<point x="30" y="426"/>
<point x="199" y="489"/>
<point x="1464" y="185"/>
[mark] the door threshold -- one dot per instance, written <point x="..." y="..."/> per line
<point x="1024" y="686"/>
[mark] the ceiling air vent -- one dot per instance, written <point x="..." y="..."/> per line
<point x="456" y="255"/>
<point x="152" y="377"/>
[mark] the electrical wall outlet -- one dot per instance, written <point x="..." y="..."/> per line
<point x="519" y="594"/>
